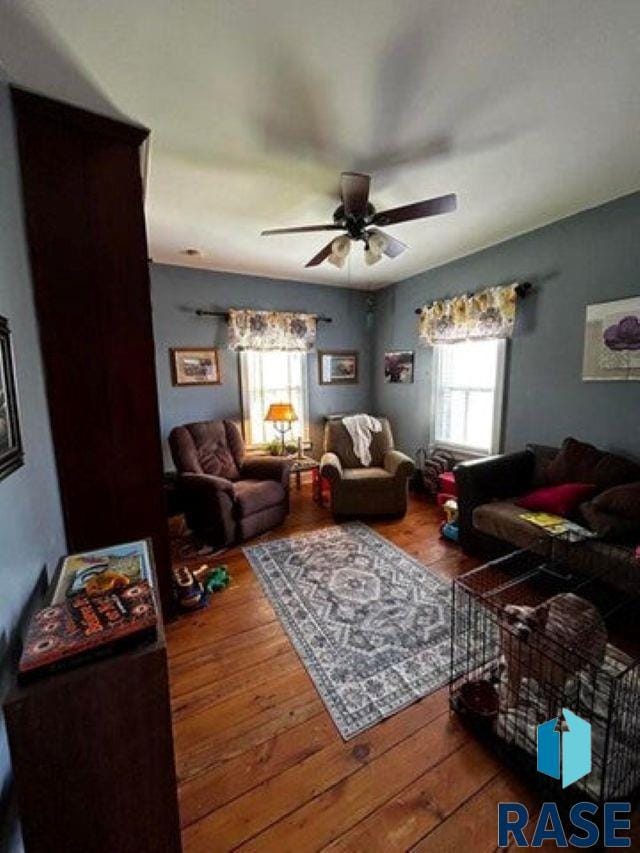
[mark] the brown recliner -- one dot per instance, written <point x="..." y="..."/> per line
<point x="380" y="489"/>
<point x="227" y="497"/>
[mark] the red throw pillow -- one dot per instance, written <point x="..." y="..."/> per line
<point x="558" y="500"/>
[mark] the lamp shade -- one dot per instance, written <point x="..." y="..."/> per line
<point x="337" y="260"/>
<point x="377" y="242"/>
<point x="341" y="246"/>
<point x="371" y="256"/>
<point x="283" y="412"/>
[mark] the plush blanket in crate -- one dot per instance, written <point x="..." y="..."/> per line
<point x="588" y="695"/>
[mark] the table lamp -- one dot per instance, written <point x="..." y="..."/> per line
<point x="281" y="415"/>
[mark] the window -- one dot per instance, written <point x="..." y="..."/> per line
<point x="273" y="377"/>
<point x="468" y="381"/>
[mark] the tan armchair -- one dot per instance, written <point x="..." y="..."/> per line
<point x="380" y="489"/>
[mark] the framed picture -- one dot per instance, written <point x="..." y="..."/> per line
<point x="191" y="366"/>
<point x="612" y="341"/>
<point x="398" y="366"/>
<point x="11" y="455"/>
<point x="337" y="367"/>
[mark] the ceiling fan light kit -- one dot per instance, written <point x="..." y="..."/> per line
<point x="337" y="260"/>
<point x="374" y="247"/>
<point x="340" y="248"/>
<point x="356" y="215"/>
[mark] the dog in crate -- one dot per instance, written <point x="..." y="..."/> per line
<point x="550" y="643"/>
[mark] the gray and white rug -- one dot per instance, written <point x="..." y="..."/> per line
<point x="371" y="624"/>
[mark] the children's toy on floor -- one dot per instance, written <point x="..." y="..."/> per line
<point x="216" y="579"/>
<point x="449" y="528"/>
<point x="189" y="591"/>
<point x="194" y="588"/>
<point x="430" y="467"/>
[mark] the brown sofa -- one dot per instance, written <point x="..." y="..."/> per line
<point x="380" y="489"/>
<point x="227" y="496"/>
<point x="490" y="522"/>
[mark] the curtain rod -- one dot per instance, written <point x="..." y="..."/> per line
<point x="521" y="289"/>
<point x="202" y="313"/>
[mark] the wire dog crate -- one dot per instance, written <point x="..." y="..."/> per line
<point x="530" y="638"/>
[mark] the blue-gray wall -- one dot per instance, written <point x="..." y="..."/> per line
<point x="591" y="257"/>
<point x="177" y="291"/>
<point x="31" y="534"/>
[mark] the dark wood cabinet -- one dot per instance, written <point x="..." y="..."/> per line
<point x="85" y="225"/>
<point x="92" y="756"/>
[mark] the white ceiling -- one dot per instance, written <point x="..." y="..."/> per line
<point x="528" y="109"/>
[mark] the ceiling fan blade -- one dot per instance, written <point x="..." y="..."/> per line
<point x="301" y="229"/>
<point x="354" y="189"/>
<point x="322" y="255"/>
<point x="394" y="247"/>
<point x="417" y="210"/>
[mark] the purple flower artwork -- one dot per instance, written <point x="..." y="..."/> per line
<point x="624" y="335"/>
<point x="612" y="341"/>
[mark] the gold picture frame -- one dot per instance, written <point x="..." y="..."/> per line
<point x="195" y="366"/>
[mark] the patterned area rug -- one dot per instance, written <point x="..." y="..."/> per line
<point x="371" y="624"/>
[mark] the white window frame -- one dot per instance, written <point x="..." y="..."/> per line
<point x="246" y="403"/>
<point x="498" y="402"/>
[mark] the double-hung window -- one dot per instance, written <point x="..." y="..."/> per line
<point x="468" y="383"/>
<point x="273" y="377"/>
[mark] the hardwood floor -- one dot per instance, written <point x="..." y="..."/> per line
<point x="261" y="766"/>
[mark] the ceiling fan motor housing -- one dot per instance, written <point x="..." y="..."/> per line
<point x="354" y="225"/>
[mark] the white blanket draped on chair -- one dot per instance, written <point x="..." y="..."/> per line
<point x="361" y="429"/>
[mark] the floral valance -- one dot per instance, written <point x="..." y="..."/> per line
<point x="271" y="330"/>
<point x="490" y="313"/>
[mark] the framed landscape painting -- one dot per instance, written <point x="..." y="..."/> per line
<point x="11" y="455"/>
<point x="398" y="366"/>
<point x="612" y="341"/>
<point x="191" y="366"/>
<point x="338" y="367"/>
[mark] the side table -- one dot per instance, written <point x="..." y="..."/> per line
<point x="307" y="463"/>
<point x="301" y="464"/>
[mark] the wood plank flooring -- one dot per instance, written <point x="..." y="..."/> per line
<point x="261" y="766"/>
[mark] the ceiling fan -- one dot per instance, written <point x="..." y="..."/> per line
<point x="359" y="218"/>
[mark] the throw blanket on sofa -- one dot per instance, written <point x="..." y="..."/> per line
<point x="361" y="428"/>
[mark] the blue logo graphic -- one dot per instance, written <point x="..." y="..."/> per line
<point x="564" y="750"/>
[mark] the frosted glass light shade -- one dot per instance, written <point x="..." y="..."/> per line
<point x="337" y="260"/>
<point x="341" y="246"/>
<point x="377" y="243"/>
<point x="371" y="256"/>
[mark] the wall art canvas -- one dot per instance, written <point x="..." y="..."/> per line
<point x="11" y="455"/>
<point x="398" y="366"/>
<point x="192" y="366"/>
<point x="338" y="368"/>
<point x="612" y="341"/>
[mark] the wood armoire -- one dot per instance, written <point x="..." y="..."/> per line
<point x="83" y="202"/>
